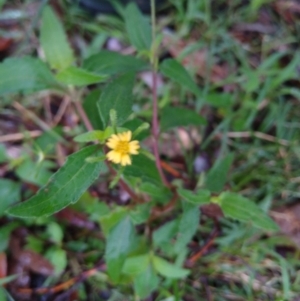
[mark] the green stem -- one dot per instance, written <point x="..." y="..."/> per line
<point x="176" y="290"/>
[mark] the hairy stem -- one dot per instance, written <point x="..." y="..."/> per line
<point x="155" y="123"/>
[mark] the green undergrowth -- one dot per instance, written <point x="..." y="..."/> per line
<point x="194" y="214"/>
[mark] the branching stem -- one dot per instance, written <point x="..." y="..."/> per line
<point x="89" y="127"/>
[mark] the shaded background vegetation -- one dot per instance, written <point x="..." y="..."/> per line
<point x="244" y="57"/>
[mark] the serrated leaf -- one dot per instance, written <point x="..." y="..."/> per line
<point x="111" y="62"/>
<point x="188" y="225"/>
<point x="54" y="41"/>
<point x="64" y="187"/>
<point x="136" y="265"/>
<point x="217" y="175"/>
<point x="25" y="74"/>
<point x="169" y="270"/>
<point x="176" y="72"/>
<point x="78" y="77"/>
<point x="91" y="109"/>
<point x="9" y="194"/>
<point x="138" y="28"/>
<point x="175" y="116"/>
<point x="197" y="198"/>
<point x="146" y="282"/>
<point x="117" y="95"/>
<point x="118" y="245"/>
<point x="238" y="207"/>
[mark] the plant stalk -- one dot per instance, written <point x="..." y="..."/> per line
<point x="155" y="122"/>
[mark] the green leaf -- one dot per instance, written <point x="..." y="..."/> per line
<point x="48" y="140"/>
<point x="58" y="259"/>
<point x="3" y="154"/>
<point x="217" y="175"/>
<point x="289" y="72"/>
<point x="140" y="213"/>
<point x="111" y="62"/>
<point x="5" y="234"/>
<point x="109" y="220"/>
<point x="25" y="74"/>
<point x="219" y="100"/>
<point x="2" y="2"/>
<point x="188" y="225"/>
<point x="165" y="233"/>
<point x="176" y="72"/>
<point x="6" y="280"/>
<point x="144" y="168"/>
<point x="34" y="172"/>
<point x="117" y="95"/>
<point x="78" y="77"/>
<point x="55" y="232"/>
<point x="238" y="207"/>
<point x="169" y="270"/>
<point x="118" y="245"/>
<point x="198" y="198"/>
<point x="54" y="41"/>
<point x="145" y="283"/>
<point x="91" y="109"/>
<point x="175" y="116"/>
<point x="95" y="135"/>
<point x="157" y="192"/>
<point x="89" y="136"/>
<point x="35" y="244"/>
<point x="64" y="187"/>
<point x="136" y="265"/>
<point x="3" y="295"/>
<point x="9" y="194"/>
<point x="137" y="27"/>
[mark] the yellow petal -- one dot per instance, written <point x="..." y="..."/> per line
<point x="133" y="147"/>
<point x="115" y="137"/>
<point x="120" y="135"/>
<point x="128" y="135"/>
<point x="114" y="156"/>
<point x="125" y="136"/>
<point x="125" y="160"/>
<point x="112" y="143"/>
<point x="135" y="143"/>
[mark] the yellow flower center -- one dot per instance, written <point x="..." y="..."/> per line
<point x="122" y="147"/>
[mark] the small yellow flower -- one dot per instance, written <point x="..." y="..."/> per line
<point x="122" y="148"/>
